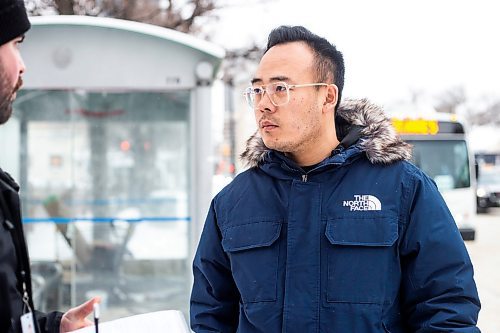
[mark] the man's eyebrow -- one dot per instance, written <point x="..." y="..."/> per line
<point x="273" y="79"/>
<point x="280" y="78"/>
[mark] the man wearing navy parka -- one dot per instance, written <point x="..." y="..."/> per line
<point x="331" y="229"/>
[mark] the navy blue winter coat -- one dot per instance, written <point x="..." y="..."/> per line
<point x="362" y="243"/>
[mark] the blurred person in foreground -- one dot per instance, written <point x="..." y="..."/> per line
<point x="15" y="279"/>
<point x="331" y="229"/>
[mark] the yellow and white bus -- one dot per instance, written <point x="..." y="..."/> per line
<point x="441" y="150"/>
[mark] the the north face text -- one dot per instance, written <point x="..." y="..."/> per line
<point x="363" y="202"/>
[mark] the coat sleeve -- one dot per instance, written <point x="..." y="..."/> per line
<point x="438" y="289"/>
<point x="214" y="297"/>
<point x="49" y="322"/>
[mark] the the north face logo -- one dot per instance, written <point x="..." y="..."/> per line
<point x="363" y="202"/>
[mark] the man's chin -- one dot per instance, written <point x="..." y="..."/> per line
<point x="5" y="113"/>
<point x="274" y="144"/>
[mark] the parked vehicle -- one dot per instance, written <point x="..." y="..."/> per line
<point x="488" y="189"/>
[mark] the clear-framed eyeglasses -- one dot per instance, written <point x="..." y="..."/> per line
<point x="278" y="92"/>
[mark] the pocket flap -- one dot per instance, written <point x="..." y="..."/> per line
<point x="247" y="236"/>
<point x="380" y="231"/>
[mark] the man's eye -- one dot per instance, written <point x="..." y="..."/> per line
<point x="279" y="88"/>
<point x="257" y="90"/>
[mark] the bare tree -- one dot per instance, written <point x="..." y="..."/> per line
<point x="487" y="115"/>
<point x="483" y="111"/>
<point x="451" y="99"/>
<point x="238" y="61"/>
<point x="178" y="15"/>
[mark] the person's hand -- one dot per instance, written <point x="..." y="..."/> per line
<point x="75" y="318"/>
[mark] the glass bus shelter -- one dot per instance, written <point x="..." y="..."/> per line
<point x="110" y="143"/>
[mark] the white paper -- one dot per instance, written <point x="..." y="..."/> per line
<point x="169" y="321"/>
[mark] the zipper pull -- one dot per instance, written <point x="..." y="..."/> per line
<point x="23" y="278"/>
<point x="8" y="224"/>
<point x="304" y="177"/>
<point x="26" y="299"/>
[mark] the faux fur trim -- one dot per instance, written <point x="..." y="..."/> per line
<point x="379" y="140"/>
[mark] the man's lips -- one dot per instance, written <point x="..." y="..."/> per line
<point x="18" y="86"/>
<point x="267" y="125"/>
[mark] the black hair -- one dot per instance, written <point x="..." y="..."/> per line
<point x="328" y="60"/>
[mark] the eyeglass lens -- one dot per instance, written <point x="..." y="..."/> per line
<point x="276" y="91"/>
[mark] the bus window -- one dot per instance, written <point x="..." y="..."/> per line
<point x="445" y="161"/>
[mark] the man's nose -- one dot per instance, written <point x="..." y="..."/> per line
<point x="265" y="104"/>
<point x="22" y="66"/>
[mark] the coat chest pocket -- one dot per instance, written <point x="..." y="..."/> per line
<point x="254" y="251"/>
<point x="361" y="259"/>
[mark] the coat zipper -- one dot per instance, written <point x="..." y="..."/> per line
<point x="304" y="177"/>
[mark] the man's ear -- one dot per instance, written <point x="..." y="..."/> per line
<point x="332" y="95"/>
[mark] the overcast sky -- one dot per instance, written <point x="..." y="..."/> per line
<point x="390" y="47"/>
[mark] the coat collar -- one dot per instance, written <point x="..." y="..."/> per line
<point x="377" y="137"/>
<point x="8" y="180"/>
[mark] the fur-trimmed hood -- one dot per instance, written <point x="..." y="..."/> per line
<point x="378" y="139"/>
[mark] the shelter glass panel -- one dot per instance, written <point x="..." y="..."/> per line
<point x="105" y="179"/>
